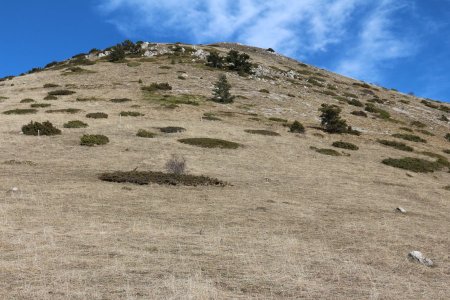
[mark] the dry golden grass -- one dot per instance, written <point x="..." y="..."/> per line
<point x="292" y="224"/>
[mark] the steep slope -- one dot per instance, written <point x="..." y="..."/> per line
<point x="291" y="223"/>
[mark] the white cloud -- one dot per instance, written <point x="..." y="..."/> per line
<point x="297" y="28"/>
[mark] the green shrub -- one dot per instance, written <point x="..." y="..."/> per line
<point x="26" y="100"/>
<point x="97" y="115"/>
<point x="345" y="145"/>
<point x="266" y="91"/>
<point x="426" y="132"/>
<point x="297" y="127"/>
<point x="447" y="188"/>
<point x="355" y="102"/>
<point x="133" y="64"/>
<point x="64" y="110"/>
<point x="441" y="160"/>
<point x="50" y="97"/>
<point x="418" y="124"/>
<point x="370" y="107"/>
<point x="144" y="178"/>
<point x="172" y="129"/>
<point x="221" y="91"/>
<point x="447" y="137"/>
<point x="18" y="111"/>
<point x="88" y="99"/>
<point x="117" y="54"/>
<point x="409" y="137"/>
<point x="331" y="120"/>
<point x="406" y="129"/>
<point x="396" y="145"/>
<point x="262" y="132"/>
<point x="61" y="93"/>
<point x="444" y="118"/>
<point x="350" y="95"/>
<point x="130" y="114"/>
<point x="50" y="85"/>
<point x="37" y="105"/>
<point x="326" y="151"/>
<point x="238" y="62"/>
<point x="145" y="134"/>
<point x="413" y="164"/>
<point x="36" y="128"/>
<point x="120" y="100"/>
<point x="214" y="60"/>
<point x="75" y="124"/>
<point x="157" y="87"/>
<point x="275" y="119"/>
<point x="210" y="143"/>
<point x="93" y="139"/>
<point x="359" y="113"/>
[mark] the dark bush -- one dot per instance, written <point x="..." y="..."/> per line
<point x="238" y="62"/>
<point x="210" y="143"/>
<point x="444" y="118"/>
<point x="145" y="134"/>
<point x="50" y="85"/>
<point x="275" y="119"/>
<point x="144" y="178"/>
<point x="326" y="151"/>
<point x="130" y="114"/>
<point x="221" y="91"/>
<point x="409" y="137"/>
<point x="297" y="127"/>
<point x="406" y="129"/>
<point x="214" y="60"/>
<point x="345" y="145"/>
<point x="93" y="139"/>
<point x="447" y="137"/>
<point x="426" y="132"/>
<point x="117" y="54"/>
<point x="50" y="97"/>
<point x="26" y="100"/>
<point x="23" y="111"/>
<point x="331" y="120"/>
<point x="418" y="124"/>
<point x="120" y="100"/>
<point x="359" y="113"/>
<point x="396" y="145"/>
<point x="75" y="124"/>
<point x="172" y="129"/>
<point x="61" y="93"/>
<point x="266" y="91"/>
<point x="36" y="128"/>
<point x="413" y="164"/>
<point x="355" y="102"/>
<point x="157" y="87"/>
<point x="262" y="132"/>
<point x="97" y="115"/>
<point x="64" y="110"/>
<point x="41" y="105"/>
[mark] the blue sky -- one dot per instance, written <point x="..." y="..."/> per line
<point x="394" y="43"/>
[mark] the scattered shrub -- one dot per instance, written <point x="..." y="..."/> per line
<point x="418" y="124"/>
<point x="75" y="124"/>
<point x="359" y="113"/>
<point x="444" y="118"/>
<point x="406" y="129"/>
<point x="18" y="111"/>
<point x="117" y="54"/>
<point x="214" y="60"/>
<point x="413" y="164"/>
<point x="210" y="117"/>
<point x="345" y="145"/>
<point x="446" y="151"/>
<point x="176" y="165"/>
<point x="97" y="115"/>
<point x="238" y="62"/>
<point x="144" y="178"/>
<point x="221" y="91"/>
<point x="262" y="132"/>
<point x="172" y="129"/>
<point x="130" y="114"/>
<point x="93" y="139"/>
<point x="396" y="145"/>
<point x="355" y="102"/>
<point x="42" y="105"/>
<point x="133" y="64"/>
<point x="331" y="120"/>
<point x="157" y="87"/>
<point x="26" y="100"/>
<point x="64" y="110"/>
<point x="297" y="127"/>
<point x="120" y="100"/>
<point x="266" y="91"/>
<point x="326" y="151"/>
<point x="210" y="143"/>
<point x="426" y="132"/>
<point x="447" y="137"/>
<point x="36" y="128"/>
<point x="409" y="137"/>
<point x="145" y="134"/>
<point x="350" y="95"/>
<point x="61" y="93"/>
<point x="50" y="97"/>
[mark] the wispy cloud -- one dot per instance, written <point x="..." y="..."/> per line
<point x="299" y="28"/>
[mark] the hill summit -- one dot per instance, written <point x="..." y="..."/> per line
<point x="126" y="174"/>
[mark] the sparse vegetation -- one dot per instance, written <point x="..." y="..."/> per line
<point x="50" y="85"/>
<point x="426" y="132"/>
<point x="120" y="100"/>
<point x="130" y="114"/>
<point x="144" y="178"/>
<point x="176" y="165"/>
<point x="418" y="124"/>
<point x="36" y="128"/>
<point x="359" y="113"/>
<point x="26" y="100"/>
<point x="64" y="110"/>
<point x="61" y="93"/>
<point x="210" y="117"/>
<point x="413" y="164"/>
<point x="345" y="145"/>
<point x="355" y="102"/>
<point x="75" y="124"/>
<point x="20" y="111"/>
<point x="157" y="87"/>
<point x="40" y="105"/>
<point x="93" y="140"/>
<point x="396" y="145"/>
<point x="172" y="129"/>
<point x="145" y="133"/>
<point x="406" y="129"/>
<point x="50" y="97"/>
<point x="262" y="132"/>
<point x="276" y="119"/>
<point x="326" y="151"/>
<point x="97" y="115"/>
<point x="409" y="137"/>
<point x="297" y="127"/>
<point x="210" y="143"/>
<point x="221" y="91"/>
<point x="265" y="91"/>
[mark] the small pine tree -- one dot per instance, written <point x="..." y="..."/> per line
<point x="117" y="54"/>
<point x="214" y="60"/>
<point x="297" y="127"/>
<point x="331" y="120"/>
<point x="239" y="62"/>
<point x="221" y="92"/>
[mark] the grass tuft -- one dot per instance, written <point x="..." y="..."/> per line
<point x="210" y="143"/>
